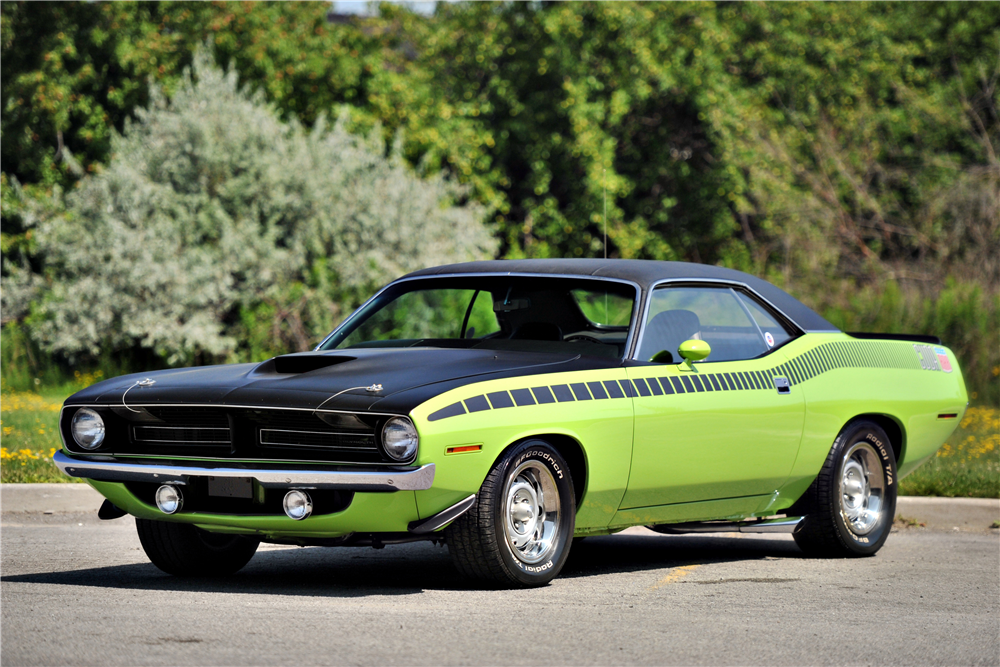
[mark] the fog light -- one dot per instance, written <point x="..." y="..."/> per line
<point x="169" y="499"/>
<point x="298" y="505"/>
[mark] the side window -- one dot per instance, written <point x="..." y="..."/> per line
<point x="773" y="331"/>
<point x="713" y="314"/>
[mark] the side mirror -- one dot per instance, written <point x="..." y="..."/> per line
<point x="694" y="350"/>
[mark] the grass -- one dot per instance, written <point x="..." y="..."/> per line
<point x="968" y="465"/>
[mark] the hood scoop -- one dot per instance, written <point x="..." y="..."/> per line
<point x="300" y="363"/>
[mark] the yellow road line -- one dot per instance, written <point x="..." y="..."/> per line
<point x="675" y="575"/>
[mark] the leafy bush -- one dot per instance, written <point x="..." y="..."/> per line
<point x="214" y="215"/>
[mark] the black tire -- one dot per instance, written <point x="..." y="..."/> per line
<point x="484" y="542"/>
<point x="851" y="504"/>
<point x="186" y="551"/>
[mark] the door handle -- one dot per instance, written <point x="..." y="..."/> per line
<point x="782" y="385"/>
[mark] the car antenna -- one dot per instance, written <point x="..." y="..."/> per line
<point x="605" y="213"/>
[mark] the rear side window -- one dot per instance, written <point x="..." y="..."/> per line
<point x="774" y="332"/>
<point x="736" y="326"/>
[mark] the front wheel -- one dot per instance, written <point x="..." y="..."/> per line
<point x="852" y="502"/>
<point x="187" y="551"/>
<point x="519" y="531"/>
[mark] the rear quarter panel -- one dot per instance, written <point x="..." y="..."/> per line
<point x="842" y="378"/>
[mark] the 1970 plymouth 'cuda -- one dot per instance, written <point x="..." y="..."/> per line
<point x="505" y="407"/>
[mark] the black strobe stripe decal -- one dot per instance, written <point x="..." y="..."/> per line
<point x="801" y="368"/>
<point x="562" y="393"/>
<point x="500" y="399"/>
<point x="543" y="395"/>
<point x="522" y="397"/>
<point x="580" y="391"/>
<point x="477" y="404"/>
<point x="452" y="410"/>
<point x="597" y="389"/>
<point x="640" y="384"/>
<point x="614" y="390"/>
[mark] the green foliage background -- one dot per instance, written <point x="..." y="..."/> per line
<point x="845" y="151"/>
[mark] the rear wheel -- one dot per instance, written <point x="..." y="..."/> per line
<point x="184" y="550"/>
<point x="852" y="502"/>
<point x="519" y="531"/>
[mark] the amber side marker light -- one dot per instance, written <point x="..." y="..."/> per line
<point x="462" y="449"/>
<point x="948" y="415"/>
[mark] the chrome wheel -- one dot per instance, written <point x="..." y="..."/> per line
<point x="531" y="513"/>
<point x="520" y="529"/>
<point x="862" y="489"/>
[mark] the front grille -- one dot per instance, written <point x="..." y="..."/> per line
<point x="315" y="436"/>
<point x="181" y="435"/>
<point x="310" y="439"/>
<point x="188" y="417"/>
<point x="192" y="431"/>
<point x="244" y="433"/>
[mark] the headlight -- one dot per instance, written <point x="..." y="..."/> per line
<point x="87" y="428"/>
<point x="400" y="438"/>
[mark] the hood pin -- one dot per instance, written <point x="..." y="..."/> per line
<point x="147" y="382"/>
<point x="374" y="389"/>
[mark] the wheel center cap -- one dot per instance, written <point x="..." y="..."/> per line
<point x="854" y="486"/>
<point x="522" y="512"/>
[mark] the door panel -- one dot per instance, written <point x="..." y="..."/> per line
<point x="719" y="431"/>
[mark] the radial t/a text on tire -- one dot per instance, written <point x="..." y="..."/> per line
<point x="520" y="529"/>
<point x="852" y="502"/>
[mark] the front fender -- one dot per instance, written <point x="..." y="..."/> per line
<point x="603" y="428"/>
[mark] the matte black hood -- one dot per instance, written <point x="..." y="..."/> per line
<point x="336" y="379"/>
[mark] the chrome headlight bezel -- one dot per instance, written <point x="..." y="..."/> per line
<point x="88" y="429"/>
<point x="400" y="439"/>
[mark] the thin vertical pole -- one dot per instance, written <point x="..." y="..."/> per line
<point x="605" y="214"/>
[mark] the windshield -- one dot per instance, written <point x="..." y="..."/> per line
<point x="523" y="313"/>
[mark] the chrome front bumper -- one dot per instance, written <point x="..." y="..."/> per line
<point x="402" y="479"/>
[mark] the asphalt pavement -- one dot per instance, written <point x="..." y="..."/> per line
<point x="75" y="590"/>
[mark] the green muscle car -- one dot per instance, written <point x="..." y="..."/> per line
<point x="505" y="407"/>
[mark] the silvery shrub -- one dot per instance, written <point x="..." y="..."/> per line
<point x="213" y="207"/>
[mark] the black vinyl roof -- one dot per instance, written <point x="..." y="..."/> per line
<point x="644" y="273"/>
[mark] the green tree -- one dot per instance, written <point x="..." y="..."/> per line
<point x="216" y="225"/>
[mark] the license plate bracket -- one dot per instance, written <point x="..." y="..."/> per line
<point x="231" y="487"/>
